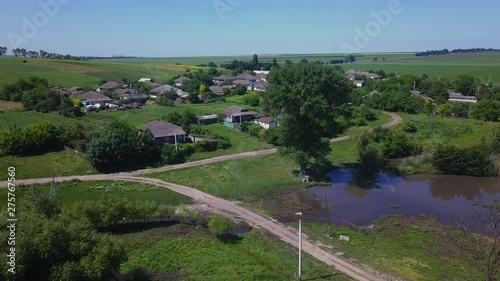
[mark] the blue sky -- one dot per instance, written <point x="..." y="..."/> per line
<point x="164" y="28"/>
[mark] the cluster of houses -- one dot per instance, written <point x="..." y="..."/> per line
<point x="165" y="132"/>
<point x="354" y="76"/>
<point x="453" y="97"/>
<point x="110" y="93"/>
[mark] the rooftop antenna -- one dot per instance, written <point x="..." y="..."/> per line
<point x="52" y="194"/>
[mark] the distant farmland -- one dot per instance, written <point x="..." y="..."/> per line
<point x="485" y="66"/>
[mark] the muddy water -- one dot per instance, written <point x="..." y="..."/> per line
<point x="360" y="198"/>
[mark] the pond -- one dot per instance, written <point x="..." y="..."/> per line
<point x="359" y="198"/>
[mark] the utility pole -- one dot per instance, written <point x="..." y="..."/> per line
<point x="300" y="249"/>
<point x="52" y="193"/>
<point x="175" y="136"/>
<point x="327" y="216"/>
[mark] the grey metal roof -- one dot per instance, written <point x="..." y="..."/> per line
<point x="160" y="128"/>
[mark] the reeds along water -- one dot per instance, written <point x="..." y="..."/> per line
<point x="496" y="165"/>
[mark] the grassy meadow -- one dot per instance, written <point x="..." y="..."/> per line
<point x="409" y="248"/>
<point x="72" y="192"/>
<point x="184" y="252"/>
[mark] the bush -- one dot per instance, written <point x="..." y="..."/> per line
<point x="396" y="102"/>
<point x="409" y="127"/>
<point x="170" y="155"/>
<point x="33" y="139"/>
<point x="251" y="99"/>
<point x="218" y="225"/>
<point x="462" y="161"/>
<point x="251" y="128"/>
<point x="370" y="157"/>
<point x="493" y="141"/>
<point x="487" y="110"/>
<point x="397" y="145"/>
<point x="271" y="136"/>
<point x="41" y="99"/>
<point x="224" y="142"/>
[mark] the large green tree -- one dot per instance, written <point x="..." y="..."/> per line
<point x="487" y="110"/>
<point x="306" y="99"/>
<point x="465" y="85"/>
<point x="438" y="90"/>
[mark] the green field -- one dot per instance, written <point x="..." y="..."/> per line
<point x="70" y="193"/>
<point x="62" y="163"/>
<point x="22" y="118"/>
<point x="183" y="252"/>
<point x="485" y="66"/>
<point x="85" y="73"/>
<point x="410" y="248"/>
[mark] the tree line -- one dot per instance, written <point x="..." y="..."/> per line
<point x="22" y="52"/>
<point x="455" y="51"/>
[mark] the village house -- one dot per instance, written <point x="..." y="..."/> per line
<point x="135" y="98"/>
<point x="108" y="87"/>
<point x="260" y="86"/>
<point x="62" y="92"/>
<point x="122" y="92"/>
<point x="223" y="78"/>
<point x="93" y="98"/>
<point x="76" y="90"/>
<point x="164" y="132"/>
<point x="207" y="119"/>
<point x="359" y="83"/>
<point x="216" y="90"/>
<point x="143" y="80"/>
<point x="181" y="80"/>
<point x="419" y="94"/>
<point x="236" y="114"/>
<point x="266" y="122"/>
<point x="458" y="97"/>
<point x="246" y="76"/>
<point x="162" y="90"/>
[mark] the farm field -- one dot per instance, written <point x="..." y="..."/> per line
<point x="70" y="193"/>
<point x="9" y="105"/>
<point x="186" y="252"/>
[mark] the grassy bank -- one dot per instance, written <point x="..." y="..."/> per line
<point x="245" y="179"/>
<point x="62" y="163"/>
<point x="410" y="248"/>
<point x="70" y="193"/>
<point x="183" y="252"/>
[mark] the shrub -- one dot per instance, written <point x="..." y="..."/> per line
<point x="251" y="99"/>
<point x="493" y="141"/>
<point x="218" y="225"/>
<point x="370" y="157"/>
<point x="251" y="128"/>
<point x="462" y="161"/>
<point x="33" y="139"/>
<point x="409" y="127"/>
<point x="171" y="155"/>
<point x="487" y="110"/>
<point x="271" y="136"/>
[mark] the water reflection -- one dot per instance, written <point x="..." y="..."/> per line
<point x="360" y="196"/>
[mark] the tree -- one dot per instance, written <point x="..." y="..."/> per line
<point x="350" y="59"/>
<point x="41" y="99"/>
<point x="428" y="108"/>
<point x="288" y="61"/>
<point x="306" y="99"/>
<point x="218" y="225"/>
<point x="121" y="147"/>
<point x="211" y="64"/>
<point x="255" y="61"/>
<point x="304" y="61"/>
<point x="438" y="91"/>
<point x="3" y="51"/>
<point x="445" y="110"/>
<point x="487" y="110"/>
<point x="465" y="85"/>
<point x="482" y="249"/>
<point x="375" y="59"/>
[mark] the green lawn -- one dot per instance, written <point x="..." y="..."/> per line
<point x="240" y="142"/>
<point x="10" y="105"/>
<point x="180" y="253"/>
<point x="70" y="193"/>
<point x="410" y="248"/>
<point x="21" y="118"/>
<point x="62" y="163"/>
<point x="247" y="180"/>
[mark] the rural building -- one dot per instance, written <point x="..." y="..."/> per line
<point x="164" y="132"/>
<point x="223" y="78"/>
<point x="217" y="90"/>
<point x="260" y="86"/>
<point x="236" y="114"/>
<point x="93" y="98"/>
<point x="419" y="94"/>
<point x="180" y="100"/>
<point x="458" y="97"/>
<point x="162" y="90"/>
<point x="246" y="76"/>
<point x="142" y="80"/>
<point x="76" y="90"/>
<point x="373" y="93"/>
<point x="108" y="87"/>
<point x="266" y="122"/>
<point x="122" y="92"/>
<point x="359" y="83"/>
<point x="63" y="93"/>
<point x="200" y="138"/>
<point x="207" y="119"/>
<point x="181" y="80"/>
<point x="135" y="98"/>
